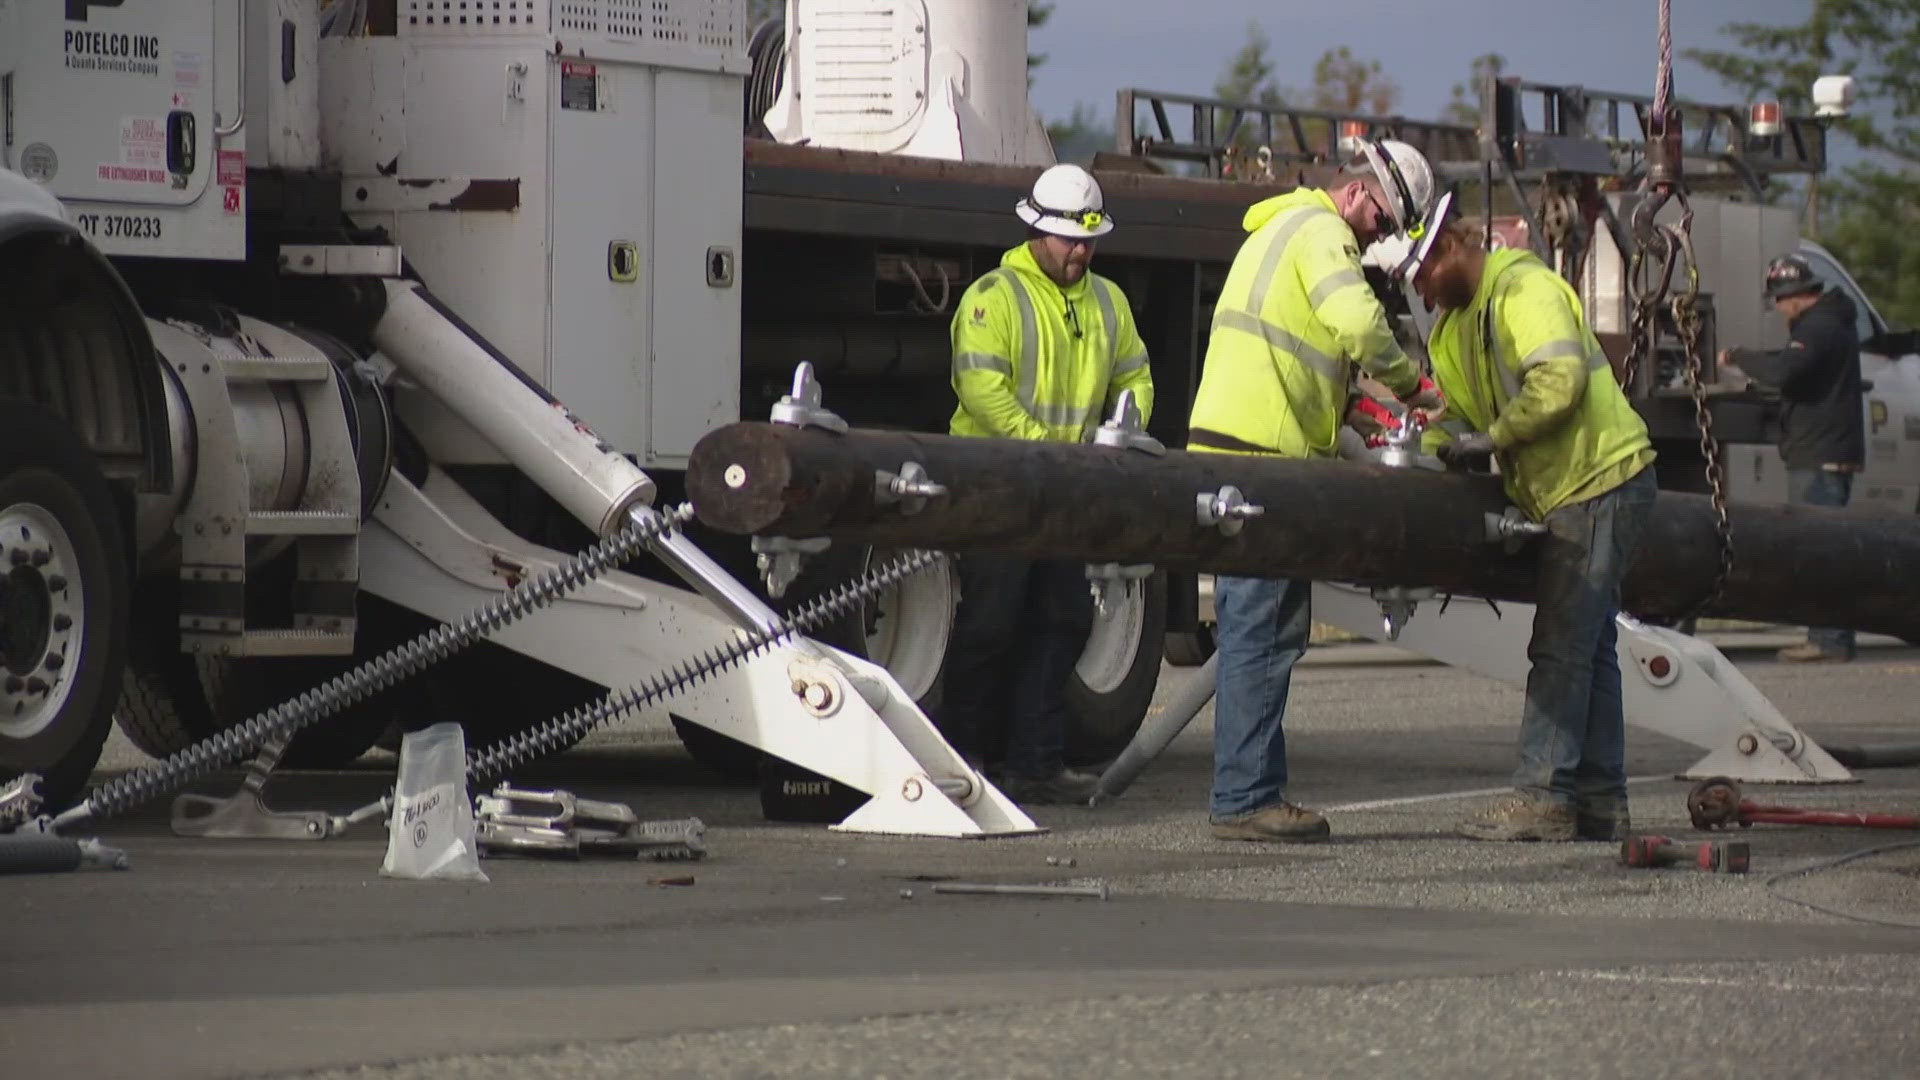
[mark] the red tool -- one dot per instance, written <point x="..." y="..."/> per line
<point x="1716" y="803"/>
<point x="1715" y="856"/>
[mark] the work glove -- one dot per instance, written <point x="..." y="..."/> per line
<point x="1371" y="419"/>
<point x="1466" y="451"/>
<point x="1426" y="397"/>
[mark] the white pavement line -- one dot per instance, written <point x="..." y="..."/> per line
<point x="1411" y="800"/>
<point x="1738" y="984"/>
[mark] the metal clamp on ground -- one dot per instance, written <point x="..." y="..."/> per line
<point x="518" y="821"/>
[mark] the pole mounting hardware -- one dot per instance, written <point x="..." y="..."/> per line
<point x="911" y="487"/>
<point x="1226" y="509"/>
<point x="801" y="406"/>
<point x="1124" y="431"/>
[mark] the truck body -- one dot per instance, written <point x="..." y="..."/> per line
<point x="645" y="215"/>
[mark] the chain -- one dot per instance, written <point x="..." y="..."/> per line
<point x="1686" y="319"/>
<point x="1659" y="250"/>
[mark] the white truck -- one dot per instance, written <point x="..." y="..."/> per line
<point x="322" y="323"/>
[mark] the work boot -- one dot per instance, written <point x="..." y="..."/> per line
<point x="1603" y="818"/>
<point x="1065" y="786"/>
<point x="1808" y="653"/>
<point x="1278" y="823"/>
<point x="1520" y="816"/>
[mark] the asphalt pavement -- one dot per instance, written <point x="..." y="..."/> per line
<point x="1395" y="949"/>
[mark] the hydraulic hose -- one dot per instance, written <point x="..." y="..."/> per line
<point x="224" y="747"/>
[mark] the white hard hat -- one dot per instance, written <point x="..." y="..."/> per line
<point x="1065" y="202"/>
<point x="1405" y="175"/>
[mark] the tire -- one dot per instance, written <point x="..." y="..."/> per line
<point x="1190" y="648"/>
<point x="1113" y="684"/>
<point x="57" y="511"/>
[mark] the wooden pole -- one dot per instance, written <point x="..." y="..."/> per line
<point x="1323" y="520"/>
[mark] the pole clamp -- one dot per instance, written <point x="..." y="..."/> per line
<point x="1226" y="509"/>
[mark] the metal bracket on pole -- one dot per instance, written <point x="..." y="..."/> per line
<point x="910" y="487"/>
<point x="1124" y="431"/>
<point x="1226" y="509"/>
<point x="244" y="815"/>
<point x="1511" y="529"/>
<point x="1106" y="577"/>
<point x="780" y="559"/>
<point x="801" y="407"/>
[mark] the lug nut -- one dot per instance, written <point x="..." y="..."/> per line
<point x="55" y="661"/>
<point x="42" y="558"/>
<point x="56" y="583"/>
<point x="36" y="685"/>
<point x="18" y="556"/>
<point x="63" y="622"/>
<point x="15" y="684"/>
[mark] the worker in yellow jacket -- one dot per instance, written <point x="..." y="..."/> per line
<point x="1294" y="317"/>
<point x="1528" y="381"/>
<point x="1042" y="349"/>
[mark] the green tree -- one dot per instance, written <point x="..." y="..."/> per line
<point x="1083" y="134"/>
<point x="1344" y="83"/>
<point x="1866" y="212"/>
<point x="1465" y="106"/>
<point x="1038" y="12"/>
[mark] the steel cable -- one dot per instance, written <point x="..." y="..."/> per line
<point x="568" y="728"/>
<point x="376" y="674"/>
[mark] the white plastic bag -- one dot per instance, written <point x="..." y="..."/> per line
<point x="431" y="832"/>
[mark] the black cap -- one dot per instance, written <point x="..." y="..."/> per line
<point x="1790" y="275"/>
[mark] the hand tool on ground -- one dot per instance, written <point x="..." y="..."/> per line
<point x="1716" y="804"/>
<point x="1098" y="891"/>
<point x="1647" y="852"/>
<point x="523" y="822"/>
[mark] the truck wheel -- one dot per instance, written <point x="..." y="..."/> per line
<point x="1114" y="682"/>
<point x="63" y="603"/>
<point x="1190" y="648"/>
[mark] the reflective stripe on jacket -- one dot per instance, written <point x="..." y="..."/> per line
<point x="1294" y="316"/>
<point x="1521" y="364"/>
<point x="1032" y="360"/>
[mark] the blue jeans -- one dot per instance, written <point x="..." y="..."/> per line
<point x="1823" y="487"/>
<point x="1573" y="740"/>
<point x="1261" y="628"/>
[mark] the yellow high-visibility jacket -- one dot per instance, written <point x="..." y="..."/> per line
<point x="1032" y="360"/>
<point x="1294" y="316"/>
<point x="1521" y="364"/>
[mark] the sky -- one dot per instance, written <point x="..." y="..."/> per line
<point x="1094" y="47"/>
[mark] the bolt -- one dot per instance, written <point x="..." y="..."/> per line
<point x="54" y="661"/>
<point x="735" y="476"/>
<point x="56" y="583"/>
<point x="15" y="684"/>
<point x="37" y="685"/>
<point x="18" y="556"/>
<point x="799" y="687"/>
<point x="1747" y="744"/>
<point x="42" y="557"/>
<point x="819" y="696"/>
<point x="1055" y="860"/>
<point x="906" y="894"/>
<point x="63" y="622"/>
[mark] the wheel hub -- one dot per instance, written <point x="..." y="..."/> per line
<point x="41" y="610"/>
